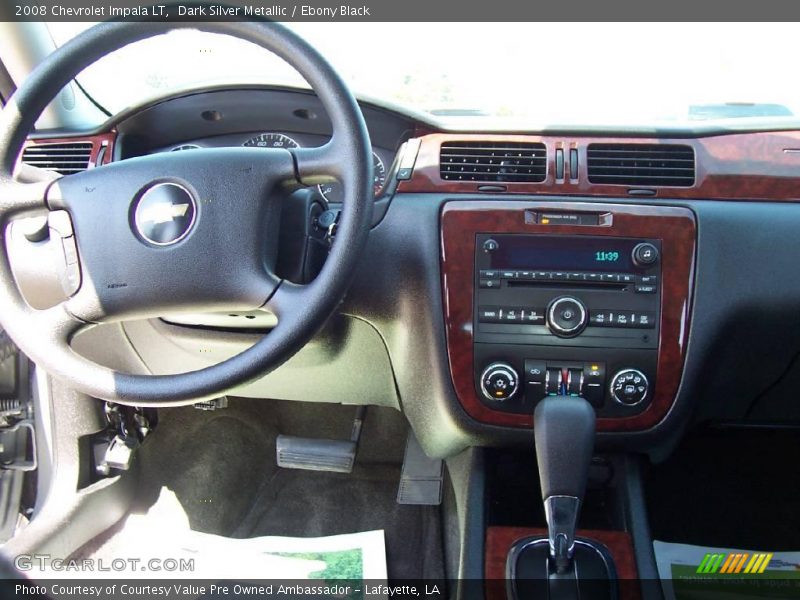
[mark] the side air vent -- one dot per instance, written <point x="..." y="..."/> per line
<point x="641" y="164"/>
<point x="63" y="158"/>
<point x="493" y="161"/>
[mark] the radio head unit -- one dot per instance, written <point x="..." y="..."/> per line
<point x="580" y="311"/>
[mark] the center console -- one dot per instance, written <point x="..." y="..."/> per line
<point x="567" y="298"/>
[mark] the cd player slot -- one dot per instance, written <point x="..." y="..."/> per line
<point x="604" y="285"/>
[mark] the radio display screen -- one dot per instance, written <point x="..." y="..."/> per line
<point x="568" y="253"/>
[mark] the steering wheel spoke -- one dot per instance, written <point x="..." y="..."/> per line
<point x="320" y="164"/>
<point x="288" y="300"/>
<point x="22" y="199"/>
<point x="57" y="323"/>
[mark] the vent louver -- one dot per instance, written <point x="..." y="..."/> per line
<point x="641" y="164"/>
<point x="64" y="158"/>
<point x="493" y="161"/>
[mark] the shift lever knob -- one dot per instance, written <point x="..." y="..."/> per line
<point x="563" y="428"/>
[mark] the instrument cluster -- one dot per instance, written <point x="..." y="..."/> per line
<point x="332" y="192"/>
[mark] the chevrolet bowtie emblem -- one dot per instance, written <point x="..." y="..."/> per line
<point x="163" y="213"/>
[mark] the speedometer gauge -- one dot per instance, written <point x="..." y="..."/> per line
<point x="272" y="140"/>
<point x="333" y="192"/>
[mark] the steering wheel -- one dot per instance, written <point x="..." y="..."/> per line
<point x="180" y="231"/>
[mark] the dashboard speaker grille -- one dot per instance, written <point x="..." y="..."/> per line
<point x="493" y="161"/>
<point x="63" y="158"/>
<point x="641" y="164"/>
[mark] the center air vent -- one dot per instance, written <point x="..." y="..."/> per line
<point x="493" y="161"/>
<point x="63" y="158"/>
<point x="641" y="164"/>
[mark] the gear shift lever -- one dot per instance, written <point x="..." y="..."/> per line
<point x="564" y="435"/>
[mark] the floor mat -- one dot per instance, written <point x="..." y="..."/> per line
<point x="308" y="503"/>
<point x="212" y="557"/>
<point x="221" y="467"/>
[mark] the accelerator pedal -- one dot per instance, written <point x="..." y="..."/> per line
<point x="312" y="454"/>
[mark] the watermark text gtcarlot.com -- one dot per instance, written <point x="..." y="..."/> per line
<point x="31" y="562"/>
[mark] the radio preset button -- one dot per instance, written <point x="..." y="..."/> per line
<point x="592" y="277"/>
<point x="511" y="315"/>
<point x="643" y="320"/>
<point x="532" y="316"/>
<point x="631" y="319"/>
<point x="488" y="314"/>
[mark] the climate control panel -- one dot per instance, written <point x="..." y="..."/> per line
<point x="616" y="383"/>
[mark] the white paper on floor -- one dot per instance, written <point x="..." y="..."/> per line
<point x="148" y="544"/>
<point x="690" y="572"/>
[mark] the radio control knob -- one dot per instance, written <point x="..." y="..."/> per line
<point x="629" y="387"/>
<point x="499" y="382"/>
<point x="645" y="254"/>
<point x="566" y="316"/>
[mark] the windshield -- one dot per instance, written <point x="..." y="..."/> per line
<point x="550" y="73"/>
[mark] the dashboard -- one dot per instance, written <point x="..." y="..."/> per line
<point x="653" y="274"/>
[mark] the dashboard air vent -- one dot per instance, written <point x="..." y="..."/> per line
<point x="641" y="164"/>
<point x="493" y="161"/>
<point x="64" y="158"/>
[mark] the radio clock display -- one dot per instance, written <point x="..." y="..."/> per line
<point x="559" y="252"/>
<point x="606" y="256"/>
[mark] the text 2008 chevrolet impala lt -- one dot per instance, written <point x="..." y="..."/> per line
<point x="505" y="324"/>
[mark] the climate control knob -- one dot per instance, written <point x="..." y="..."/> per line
<point x="499" y="382"/>
<point x="629" y="387"/>
<point x="566" y="316"/>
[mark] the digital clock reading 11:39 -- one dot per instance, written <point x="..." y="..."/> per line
<point x="606" y="256"/>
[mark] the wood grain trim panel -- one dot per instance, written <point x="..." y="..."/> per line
<point x="500" y="539"/>
<point x="462" y="220"/>
<point x="746" y="166"/>
<point x="97" y="141"/>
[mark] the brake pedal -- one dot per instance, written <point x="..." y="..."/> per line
<point x="312" y="454"/>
